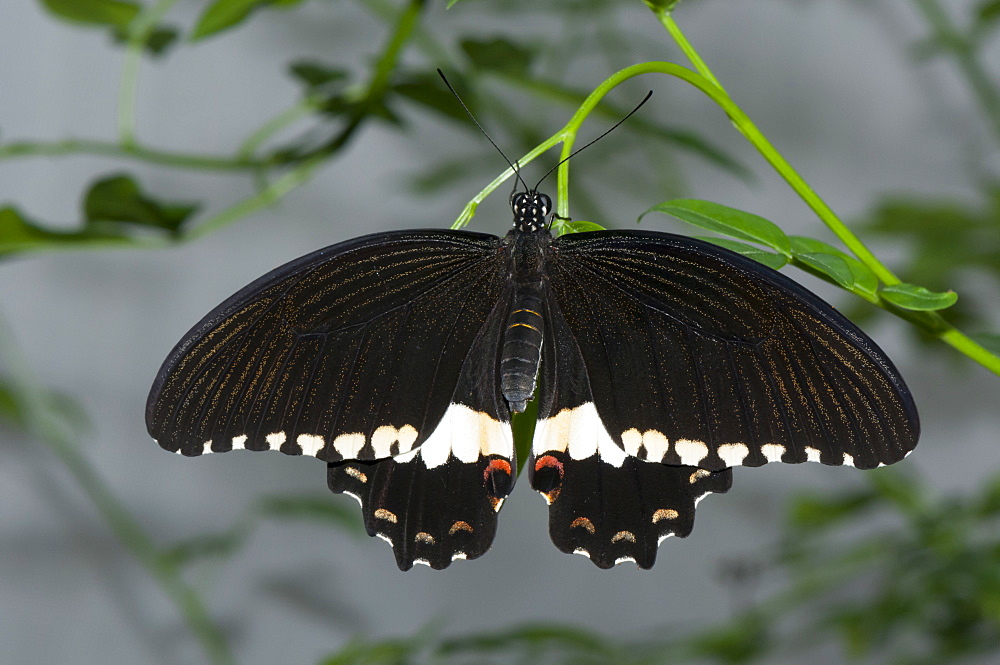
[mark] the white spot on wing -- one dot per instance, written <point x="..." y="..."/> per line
<point x="656" y="445"/>
<point x="407" y="436"/>
<point x="581" y="432"/>
<point x="384" y="537"/>
<point x="624" y="559"/>
<point x="466" y="434"/>
<point x="663" y="537"/>
<point x="240" y="442"/>
<point x="812" y="454"/>
<point x="348" y="445"/>
<point x="848" y="459"/>
<point x="275" y="440"/>
<point x="423" y="562"/>
<point x="581" y="552"/>
<point x="310" y="444"/>
<point x="772" y="451"/>
<point x="458" y="555"/>
<point x="631" y="440"/>
<point x="207" y="448"/>
<point x="382" y="438"/>
<point x="354" y="496"/>
<point x="690" y="452"/>
<point x="733" y="454"/>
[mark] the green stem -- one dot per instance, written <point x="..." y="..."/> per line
<point x="930" y="321"/>
<point x="948" y="36"/>
<point x="47" y="427"/>
<point x="271" y="127"/>
<point x="138" y="33"/>
<point x="278" y="189"/>
<point x="129" y="151"/>
<point x="777" y="161"/>
<point x="675" y="31"/>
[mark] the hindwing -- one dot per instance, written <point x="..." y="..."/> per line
<point x="603" y="503"/>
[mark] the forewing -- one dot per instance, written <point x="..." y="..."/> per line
<point x="351" y="352"/>
<point x="604" y="504"/>
<point x="699" y="356"/>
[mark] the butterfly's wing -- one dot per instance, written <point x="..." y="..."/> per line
<point x="378" y="348"/>
<point x="605" y="504"/>
<point x="698" y="356"/>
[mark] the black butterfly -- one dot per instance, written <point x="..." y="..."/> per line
<point x="662" y="361"/>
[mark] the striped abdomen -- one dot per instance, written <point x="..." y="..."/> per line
<point x="522" y="346"/>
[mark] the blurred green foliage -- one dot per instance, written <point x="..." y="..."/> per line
<point x="890" y="571"/>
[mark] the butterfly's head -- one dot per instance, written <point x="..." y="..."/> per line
<point x="531" y="210"/>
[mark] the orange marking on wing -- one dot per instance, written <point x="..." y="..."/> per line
<point x="497" y="465"/>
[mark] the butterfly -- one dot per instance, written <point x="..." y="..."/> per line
<point x="660" y="362"/>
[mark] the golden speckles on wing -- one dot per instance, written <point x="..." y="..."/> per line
<point x="386" y="515"/>
<point x="627" y="536"/>
<point x="460" y="525"/>
<point x="585" y="523"/>
<point x="357" y="475"/>
<point x="698" y="475"/>
<point x="665" y="514"/>
<point x="423" y="537"/>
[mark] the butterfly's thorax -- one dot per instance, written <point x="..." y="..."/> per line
<point x="522" y="341"/>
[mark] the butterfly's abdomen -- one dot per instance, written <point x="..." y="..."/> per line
<point x="522" y="340"/>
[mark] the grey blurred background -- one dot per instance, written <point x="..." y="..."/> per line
<point x="829" y="82"/>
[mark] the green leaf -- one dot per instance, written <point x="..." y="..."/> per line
<point x="157" y="43"/>
<point x="576" y="227"/>
<point x="319" y="508"/>
<point x="987" y="13"/>
<point x="500" y="55"/>
<point x="662" y="5"/>
<point x="812" y="513"/>
<point x="119" y="199"/>
<point x="918" y="298"/>
<point x="728" y="221"/>
<point x="20" y="234"/>
<point x="770" y="259"/>
<point x="899" y="488"/>
<point x="225" y="14"/>
<point x="115" y="13"/>
<point x="841" y="268"/>
<point x="426" y="90"/>
<point x="317" y="75"/>
<point x="523" y="426"/>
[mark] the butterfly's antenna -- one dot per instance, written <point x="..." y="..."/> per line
<point x="469" y="113"/>
<point x="579" y="150"/>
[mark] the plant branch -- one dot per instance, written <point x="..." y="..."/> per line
<point x="44" y="425"/>
<point x="138" y="33"/>
<point x="948" y="36"/>
<point x="129" y="151"/>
